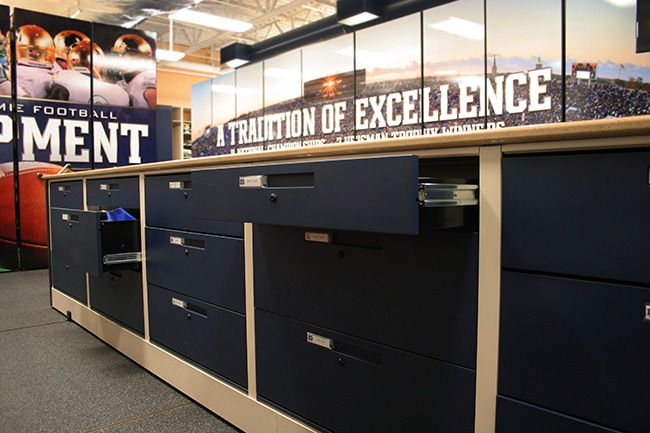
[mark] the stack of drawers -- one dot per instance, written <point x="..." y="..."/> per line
<point x="575" y="302"/>
<point x="362" y="323"/>
<point x="195" y="275"/>
<point x="83" y="239"/>
<point x="65" y="262"/>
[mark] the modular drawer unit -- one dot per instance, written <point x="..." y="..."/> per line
<point x="67" y="194"/>
<point x="168" y="200"/>
<point x="86" y="241"/>
<point x="208" y="335"/>
<point x="206" y="267"/>
<point x="416" y="293"/>
<point x="343" y="259"/>
<point x="578" y="214"/>
<point x="380" y="194"/>
<point x="118" y="295"/>
<point x="65" y="270"/>
<point x="518" y="417"/>
<point x="575" y="295"/>
<point x="195" y="271"/>
<point x="577" y="347"/>
<point x="351" y="385"/>
<point x="111" y="193"/>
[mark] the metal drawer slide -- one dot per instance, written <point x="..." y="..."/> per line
<point x="432" y="193"/>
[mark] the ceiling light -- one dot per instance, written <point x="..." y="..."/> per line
<point x="355" y="12"/>
<point x="169" y="55"/>
<point x="460" y="27"/>
<point x="235" y="55"/>
<point x="193" y="17"/>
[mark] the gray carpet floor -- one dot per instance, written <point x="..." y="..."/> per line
<point x="57" y="377"/>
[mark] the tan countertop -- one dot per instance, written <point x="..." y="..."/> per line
<point x="523" y="135"/>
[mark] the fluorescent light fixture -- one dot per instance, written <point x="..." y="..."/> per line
<point x="207" y="20"/>
<point x="235" y="55"/>
<point x="355" y="12"/>
<point x="235" y="63"/>
<point x="622" y="3"/>
<point x="169" y="55"/>
<point x="460" y="27"/>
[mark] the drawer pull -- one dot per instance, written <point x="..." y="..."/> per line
<point x="70" y="217"/>
<point x="189" y="307"/>
<point x="647" y="312"/>
<point x="180" y="184"/>
<point x="109" y="187"/>
<point x="288" y="180"/>
<point x="187" y="242"/>
<point x="274" y="198"/>
<point x="348" y="350"/>
<point x="255" y="181"/>
<point x="321" y="341"/>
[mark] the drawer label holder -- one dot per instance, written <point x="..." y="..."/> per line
<point x="321" y="237"/>
<point x="178" y="303"/>
<point x="647" y="312"/>
<point x="321" y="341"/>
<point x="254" y="181"/>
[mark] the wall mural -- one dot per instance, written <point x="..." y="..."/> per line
<point x="464" y="66"/>
<point x="79" y="95"/>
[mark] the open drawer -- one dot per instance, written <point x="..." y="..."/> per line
<point x="84" y="240"/>
<point x="378" y="194"/>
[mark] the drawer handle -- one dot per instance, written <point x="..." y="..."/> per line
<point x="274" y="198"/>
<point x="187" y="242"/>
<point x="348" y="350"/>
<point x="191" y="308"/>
<point x="70" y="218"/>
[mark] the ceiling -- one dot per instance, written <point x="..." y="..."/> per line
<point x="200" y="44"/>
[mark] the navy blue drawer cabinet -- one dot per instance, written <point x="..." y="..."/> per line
<point x="584" y="215"/>
<point x="195" y="276"/>
<point x="208" y="335"/>
<point x="352" y="385"/>
<point x="168" y="200"/>
<point x="67" y="194"/>
<point x="111" y="193"/>
<point x="575" y="295"/>
<point x="415" y="293"/>
<point x="90" y="244"/>
<point x="65" y="272"/>
<point x="118" y="295"/>
<point x="518" y="417"/>
<point x="380" y="194"/>
<point x="365" y="316"/>
<point x="206" y="267"/>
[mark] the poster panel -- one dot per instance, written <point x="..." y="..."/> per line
<point x="125" y="121"/>
<point x="201" y="119"/>
<point x="454" y="91"/>
<point x="248" y="131"/>
<point x="605" y="77"/>
<point x="282" y="100"/>
<point x="51" y="95"/>
<point x="524" y="59"/>
<point x="328" y="82"/>
<point x="216" y="136"/>
<point x="387" y="103"/>
<point x="53" y="90"/>
<point x="8" y="235"/>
